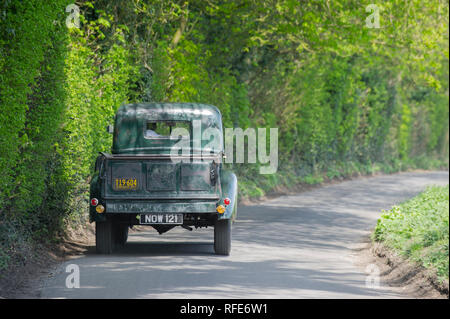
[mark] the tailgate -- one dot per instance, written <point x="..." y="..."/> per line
<point x="138" y="178"/>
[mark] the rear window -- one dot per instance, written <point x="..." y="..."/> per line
<point x="166" y="129"/>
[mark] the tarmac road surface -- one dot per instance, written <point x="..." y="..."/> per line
<point x="296" y="246"/>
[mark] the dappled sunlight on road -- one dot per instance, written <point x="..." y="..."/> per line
<point x="289" y="247"/>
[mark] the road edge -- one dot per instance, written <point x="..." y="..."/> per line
<point x="78" y="241"/>
<point x="403" y="276"/>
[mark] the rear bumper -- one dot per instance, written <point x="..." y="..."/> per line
<point x="189" y="219"/>
<point x="138" y="207"/>
<point x="129" y="209"/>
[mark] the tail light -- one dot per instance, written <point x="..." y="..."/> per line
<point x="94" y="201"/>
<point x="227" y="201"/>
<point x="220" y="209"/>
<point x="100" y="209"/>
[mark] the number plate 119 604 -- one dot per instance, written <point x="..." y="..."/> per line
<point x="125" y="184"/>
<point x="148" y="219"/>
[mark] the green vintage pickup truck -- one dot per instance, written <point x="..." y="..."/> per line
<point x="165" y="170"/>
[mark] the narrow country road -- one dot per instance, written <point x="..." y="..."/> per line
<point x="298" y="246"/>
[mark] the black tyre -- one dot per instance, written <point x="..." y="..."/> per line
<point x="121" y="234"/>
<point x="222" y="237"/>
<point x="104" y="237"/>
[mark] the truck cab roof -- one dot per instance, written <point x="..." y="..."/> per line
<point x="135" y="124"/>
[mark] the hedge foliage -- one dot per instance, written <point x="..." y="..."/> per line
<point x="345" y="97"/>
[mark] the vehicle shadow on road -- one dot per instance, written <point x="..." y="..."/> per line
<point x="143" y="244"/>
<point x="166" y="249"/>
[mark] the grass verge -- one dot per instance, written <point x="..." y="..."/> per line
<point x="418" y="229"/>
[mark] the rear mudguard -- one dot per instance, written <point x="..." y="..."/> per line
<point x="229" y="187"/>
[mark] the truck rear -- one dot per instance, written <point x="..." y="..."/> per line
<point x="165" y="170"/>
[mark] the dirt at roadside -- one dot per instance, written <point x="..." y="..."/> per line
<point x="25" y="281"/>
<point x="404" y="276"/>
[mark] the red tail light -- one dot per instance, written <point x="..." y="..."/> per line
<point x="226" y="201"/>
<point x="94" y="201"/>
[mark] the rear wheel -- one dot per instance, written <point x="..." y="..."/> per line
<point x="104" y="237"/>
<point x="121" y="234"/>
<point x="222" y="237"/>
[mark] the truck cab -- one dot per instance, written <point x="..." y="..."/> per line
<point x="165" y="170"/>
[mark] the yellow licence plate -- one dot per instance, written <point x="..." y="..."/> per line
<point x="125" y="183"/>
